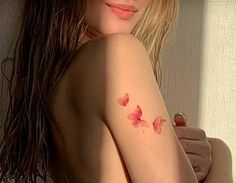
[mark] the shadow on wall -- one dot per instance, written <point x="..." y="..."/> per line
<point x="8" y="31"/>
<point x="182" y="61"/>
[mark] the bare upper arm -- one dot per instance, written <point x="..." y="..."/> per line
<point x="140" y="126"/>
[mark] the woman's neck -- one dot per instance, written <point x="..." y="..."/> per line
<point x="90" y="33"/>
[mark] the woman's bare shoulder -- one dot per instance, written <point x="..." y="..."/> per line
<point x="103" y="52"/>
<point x="97" y="57"/>
<point x="106" y="43"/>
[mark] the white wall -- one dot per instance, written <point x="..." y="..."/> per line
<point x="200" y="69"/>
<point x="218" y="73"/>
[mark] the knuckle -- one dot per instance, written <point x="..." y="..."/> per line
<point x="185" y="144"/>
<point x="210" y="160"/>
<point x="202" y="176"/>
<point x="202" y="133"/>
<point x="206" y="162"/>
<point x="195" y="162"/>
<point x="208" y="148"/>
<point x="180" y="132"/>
<point x="205" y="169"/>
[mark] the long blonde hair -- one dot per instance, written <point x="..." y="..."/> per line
<point x="153" y="28"/>
<point x="48" y="38"/>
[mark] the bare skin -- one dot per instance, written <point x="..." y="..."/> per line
<point x="83" y="156"/>
<point x="210" y="157"/>
<point x="76" y="137"/>
<point x="195" y="144"/>
<point x="221" y="168"/>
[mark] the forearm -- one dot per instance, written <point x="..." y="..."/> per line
<point x="221" y="168"/>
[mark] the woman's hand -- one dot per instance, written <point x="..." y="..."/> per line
<point x="195" y="144"/>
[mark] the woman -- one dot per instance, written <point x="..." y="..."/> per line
<point x="62" y="115"/>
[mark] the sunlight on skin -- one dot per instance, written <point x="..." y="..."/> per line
<point x="135" y="116"/>
<point x="123" y="100"/>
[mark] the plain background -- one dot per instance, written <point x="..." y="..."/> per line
<point x="200" y="69"/>
<point x="199" y="65"/>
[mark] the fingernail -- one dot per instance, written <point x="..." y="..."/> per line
<point x="173" y="123"/>
<point x="180" y="114"/>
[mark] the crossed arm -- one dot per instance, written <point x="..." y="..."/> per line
<point x="221" y="168"/>
<point x="126" y="101"/>
<point x="140" y="125"/>
<point x="211" y="156"/>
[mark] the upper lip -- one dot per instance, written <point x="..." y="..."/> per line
<point x="123" y="7"/>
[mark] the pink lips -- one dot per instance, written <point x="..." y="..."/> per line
<point x="122" y="11"/>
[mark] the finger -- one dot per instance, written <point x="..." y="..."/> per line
<point x="180" y="119"/>
<point x="196" y="161"/>
<point x="198" y="165"/>
<point x="197" y="147"/>
<point x="196" y="169"/>
<point x="200" y="176"/>
<point x="190" y="133"/>
<point x="173" y="124"/>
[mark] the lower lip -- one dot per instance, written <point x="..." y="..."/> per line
<point x="122" y="13"/>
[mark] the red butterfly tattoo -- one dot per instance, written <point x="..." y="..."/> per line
<point x="158" y="122"/>
<point x="136" y="118"/>
<point x="123" y="100"/>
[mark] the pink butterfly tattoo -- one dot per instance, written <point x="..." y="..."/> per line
<point x="158" y="122"/>
<point x="123" y="100"/>
<point x="136" y="118"/>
